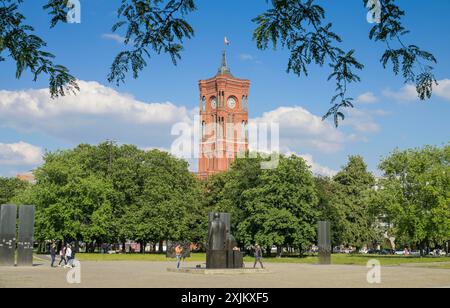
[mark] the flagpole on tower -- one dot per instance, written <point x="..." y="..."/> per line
<point x="224" y="69"/>
<point x="226" y="43"/>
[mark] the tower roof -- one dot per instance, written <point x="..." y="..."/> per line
<point x="224" y="69"/>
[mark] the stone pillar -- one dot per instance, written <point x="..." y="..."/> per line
<point x="26" y="231"/>
<point x="324" y="242"/>
<point x="8" y="217"/>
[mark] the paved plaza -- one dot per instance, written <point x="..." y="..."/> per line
<point x="155" y="275"/>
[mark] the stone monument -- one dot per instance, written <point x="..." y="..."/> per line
<point x="324" y="242"/>
<point x="222" y="249"/>
<point x="8" y="235"/>
<point x="8" y="217"/>
<point x="25" y="239"/>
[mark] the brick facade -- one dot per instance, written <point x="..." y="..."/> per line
<point x="224" y="120"/>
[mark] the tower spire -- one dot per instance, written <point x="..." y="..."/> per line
<point x="224" y="69"/>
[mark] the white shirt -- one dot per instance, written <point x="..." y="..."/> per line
<point x="68" y="252"/>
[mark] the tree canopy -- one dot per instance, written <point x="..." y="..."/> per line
<point x="269" y="206"/>
<point x="414" y="195"/>
<point x="352" y="219"/>
<point x="110" y="193"/>
<point x="9" y="188"/>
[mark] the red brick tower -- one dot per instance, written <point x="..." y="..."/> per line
<point x="224" y="120"/>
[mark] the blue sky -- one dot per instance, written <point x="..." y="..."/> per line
<point x="387" y="116"/>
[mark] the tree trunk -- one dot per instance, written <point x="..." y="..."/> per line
<point x="422" y="248"/>
<point x="40" y="247"/>
<point x="279" y="251"/>
<point x="160" y="248"/>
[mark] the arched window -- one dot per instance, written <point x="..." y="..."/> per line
<point x="246" y="130"/>
<point x="245" y="103"/>
<point x="203" y="104"/>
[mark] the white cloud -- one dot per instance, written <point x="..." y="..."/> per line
<point x="20" y="154"/>
<point x="246" y="57"/>
<point x="316" y="168"/>
<point x="443" y="89"/>
<point x="97" y="113"/>
<point x="367" y="98"/>
<point x="114" y="37"/>
<point x="301" y="129"/>
<point x="362" y="120"/>
<point x="408" y="93"/>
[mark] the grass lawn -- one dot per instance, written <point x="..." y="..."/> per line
<point x="336" y="259"/>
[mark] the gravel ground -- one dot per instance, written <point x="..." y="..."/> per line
<point x="155" y="275"/>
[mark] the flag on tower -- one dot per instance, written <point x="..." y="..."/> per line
<point x="226" y="41"/>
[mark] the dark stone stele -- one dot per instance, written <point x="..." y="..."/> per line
<point x="324" y="242"/>
<point x="220" y="251"/>
<point x="26" y="231"/>
<point x="8" y="217"/>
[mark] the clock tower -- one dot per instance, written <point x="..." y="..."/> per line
<point x="224" y="120"/>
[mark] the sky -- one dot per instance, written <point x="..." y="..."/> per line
<point x="143" y="111"/>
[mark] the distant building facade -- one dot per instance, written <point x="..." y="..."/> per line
<point x="27" y="177"/>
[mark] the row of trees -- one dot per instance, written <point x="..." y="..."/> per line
<point x="10" y="187"/>
<point x="110" y="194"/>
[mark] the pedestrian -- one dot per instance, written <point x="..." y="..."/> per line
<point x="178" y="252"/>
<point x="69" y="256"/>
<point x="53" y="253"/>
<point x="406" y="251"/>
<point x="258" y="256"/>
<point x="62" y="255"/>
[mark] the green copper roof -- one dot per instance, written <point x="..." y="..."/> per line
<point x="224" y="69"/>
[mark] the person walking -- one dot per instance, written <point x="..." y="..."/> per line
<point x="62" y="255"/>
<point x="258" y="256"/>
<point x="69" y="256"/>
<point x="178" y="253"/>
<point x="53" y="253"/>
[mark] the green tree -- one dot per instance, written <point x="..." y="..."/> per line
<point x="225" y="191"/>
<point x="160" y="26"/>
<point x="415" y="195"/>
<point x="109" y="194"/>
<point x="9" y="188"/>
<point x="353" y="222"/>
<point x="269" y="207"/>
<point x="71" y="202"/>
<point x="169" y="206"/>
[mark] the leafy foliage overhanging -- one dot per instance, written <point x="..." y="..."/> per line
<point x="160" y="27"/>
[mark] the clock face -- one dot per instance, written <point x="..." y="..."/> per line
<point x="214" y="103"/>
<point x="232" y="102"/>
